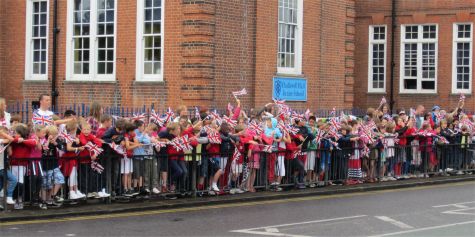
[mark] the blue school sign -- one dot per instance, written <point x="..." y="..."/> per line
<point x="289" y="89"/>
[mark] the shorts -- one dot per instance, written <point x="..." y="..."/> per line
<point x="310" y="163"/>
<point x="222" y="162"/>
<point x="214" y="165"/>
<point x="254" y="161"/>
<point x="52" y="177"/>
<point x="204" y="168"/>
<point x="19" y="172"/>
<point x="138" y="168"/>
<point x="163" y="163"/>
<point x="126" y="166"/>
<point x="280" y="166"/>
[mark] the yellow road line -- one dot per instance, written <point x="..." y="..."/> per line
<point x="218" y="206"/>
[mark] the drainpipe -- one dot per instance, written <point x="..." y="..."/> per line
<point x="56" y="30"/>
<point x="393" y="64"/>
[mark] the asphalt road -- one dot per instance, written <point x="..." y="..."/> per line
<point x="443" y="210"/>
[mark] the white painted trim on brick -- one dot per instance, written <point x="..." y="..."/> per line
<point x="456" y="40"/>
<point x="29" y="76"/>
<point x="139" y="65"/>
<point x="419" y="58"/>
<point x="93" y="52"/>
<point x="297" y="69"/>
<point x="371" y="41"/>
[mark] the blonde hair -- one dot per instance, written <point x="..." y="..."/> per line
<point x="52" y="130"/>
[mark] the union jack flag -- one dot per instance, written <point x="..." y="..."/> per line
<point x="307" y="114"/>
<point x="412" y="113"/>
<point x="371" y="126"/>
<point x="297" y="154"/>
<point x="333" y="112"/>
<point x="3" y="147"/>
<point x="119" y="149"/>
<point x="185" y="142"/>
<point x="97" y="167"/>
<point x="443" y="139"/>
<point x="241" y="92"/>
<point x="93" y="148"/>
<point x="236" y="154"/>
<point x="334" y="133"/>
<point x="176" y="143"/>
<point x="267" y="149"/>
<point x="214" y="115"/>
<point x="279" y="102"/>
<point x="255" y="127"/>
<point x="365" y="151"/>
<point x="214" y="137"/>
<point x="439" y="116"/>
<point x="42" y="119"/>
<point x="169" y="115"/>
<point x="197" y="113"/>
<point x="467" y="123"/>
<point x="319" y="136"/>
<point x="159" y="144"/>
<point x="68" y="138"/>
<point x="383" y="101"/>
<point x="462" y="97"/>
<point x="141" y="117"/>
<point x="229" y="121"/>
<point x="335" y="123"/>
<point x="366" y="135"/>
<point x="298" y="116"/>
<point x="154" y="117"/>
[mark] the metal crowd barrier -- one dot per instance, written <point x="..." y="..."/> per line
<point x="195" y="173"/>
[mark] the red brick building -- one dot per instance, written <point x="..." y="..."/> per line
<point x="196" y="52"/>
<point x="433" y="51"/>
<point x="181" y="51"/>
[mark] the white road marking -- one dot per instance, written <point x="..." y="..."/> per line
<point x="460" y="211"/>
<point x="455" y="204"/>
<point x="425" y="228"/>
<point x="255" y="232"/>
<point x="395" y="222"/>
<point x="14" y="228"/>
<point x="272" y="230"/>
<point x="70" y="234"/>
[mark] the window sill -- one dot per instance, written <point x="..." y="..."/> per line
<point x="376" y="93"/>
<point x="290" y="75"/>
<point x="89" y="82"/>
<point x="419" y="93"/>
<point x="458" y="94"/>
<point x="148" y="82"/>
<point x="36" y="81"/>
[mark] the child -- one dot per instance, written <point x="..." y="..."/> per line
<point x="20" y="149"/>
<point x="387" y="159"/>
<point x="127" y="165"/>
<point x="253" y="155"/>
<point x="96" y="182"/>
<point x="228" y="141"/>
<point x="151" y="163"/>
<point x="176" y="158"/>
<point x="5" y="139"/>
<point x="272" y="136"/>
<point x="214" y="163"/>
<point x="325" y="148"/>
<point x="140" y="154"/>
<point x="106" y="123"/>
<point x="114" y="137"/>
<point x="68" y="162"/>
<point x="52" y="178"/>
<point x="312" y="153"/>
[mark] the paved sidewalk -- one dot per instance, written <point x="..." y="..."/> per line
<point x="98" y="208"/>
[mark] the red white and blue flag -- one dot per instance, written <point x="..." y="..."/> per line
<point x="241" y="92"/>
<point x="42" y="119"/>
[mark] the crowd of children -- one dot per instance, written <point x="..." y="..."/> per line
<point x="104" y="155"/>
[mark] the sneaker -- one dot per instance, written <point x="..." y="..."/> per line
<point x="91" y="195"/>
<point x="449" y="170"/>
<point x="73" y="195"/>
<point x="18" y="206"/>
<point x="147" y="190"/>
<point x="10" y="201"/>
<point x="215" y="188"/>
<point x="239" y="191"/>
<point x="301" y="186"/>
<point x="102" y="195"/>
<point x="312" y="185"/>
<point x="211" y="192"/>
<point x="80" y="195"/>
<point x="459" y="172"/>
<point x="392" y="179"/>
<point x="232" y="191"/>
<point x="155" y="191"/>
<point x="128" y="193"/>
<point x="274" y="184"/>
<point x="278" y="189"/>
<point x="58" y="199"/>
<point x="43" y="206"/>
<point x="49" y="202"/>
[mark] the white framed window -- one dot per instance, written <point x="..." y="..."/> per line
<point x="150" y="41"/>
<point x="36" y="47"/>
<point x="418" y="70"/>
<point x="290" y="30"/>
<point x="377" y="58"/>
<point x="91" y="40"/>
<point x="462" y="58"/>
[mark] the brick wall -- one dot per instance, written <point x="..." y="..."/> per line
<point x="443" y="13"/>
<point x="211" y="49"/>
